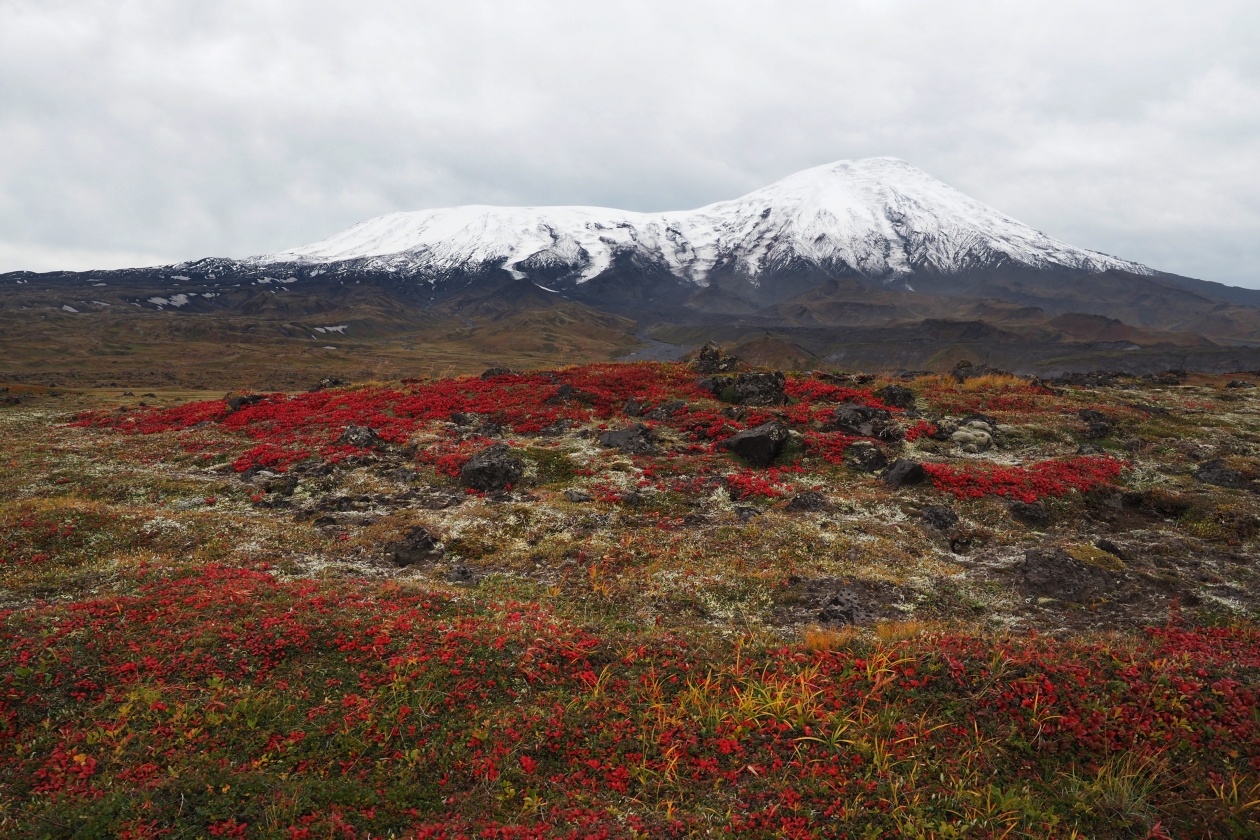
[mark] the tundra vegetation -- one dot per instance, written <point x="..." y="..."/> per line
<point x="633" y="600"/>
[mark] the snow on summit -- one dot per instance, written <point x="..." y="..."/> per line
<point x="878" y="217"/>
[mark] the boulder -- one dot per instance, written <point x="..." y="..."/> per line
<point x="632" y="408"/>
<point x="1030" y="513"/>
<point x="636" y="440"/>
<point x="493" y="468"/>
<point x="416" y="546"/>
<point x="864" y="456"/>
<point x="665" y="411"/>
<point x="1097" y="424"/>
<point x="902" y="472"/>
<point x="577" y="496"/>
<point x="972" y="437"/>
<point x="810" y="500"/>
<point x="1239" y="383"/>
<point x="565" y="393"/>
<point x="237" y="403"/>
<point x="555" y="429"/>
<point x="896" y="395"/>
<point x="864" y="421"/>
<point x="492" y="373"/>
<point x="360" y="436"/>
<point x="760" y="389"/>
<point x="713" y="360"/>
<point x="759" y="446"/>
<point x="1218" y="474"/>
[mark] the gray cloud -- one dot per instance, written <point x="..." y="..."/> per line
<point x="140" y="132"/>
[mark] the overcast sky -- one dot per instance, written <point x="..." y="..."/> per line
<point x="136" y="133"/>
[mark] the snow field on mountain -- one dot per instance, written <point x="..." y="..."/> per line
<point x="879" y="217"/>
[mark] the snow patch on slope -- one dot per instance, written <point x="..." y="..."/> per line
<point x="879" y="217"/>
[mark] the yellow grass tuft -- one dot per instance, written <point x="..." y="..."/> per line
<point x="896" y="631"/>
<point x="823" y="638"/>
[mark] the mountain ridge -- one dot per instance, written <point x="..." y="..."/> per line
<point x="879" y="218"/>
<point x="834" y="262"/>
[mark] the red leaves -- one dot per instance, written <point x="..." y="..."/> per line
<point x="747" y="483"/>
<point x="1025" y="484"/>
<point x="382" y="693"/>
<point x="829" y="446"/>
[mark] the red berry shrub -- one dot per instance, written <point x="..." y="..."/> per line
<point x="1025" y="484"/>
<point x="229" y="703"/>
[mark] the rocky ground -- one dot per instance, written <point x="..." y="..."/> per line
<point x="668" y="508"/>
<point x="708" y="502"/>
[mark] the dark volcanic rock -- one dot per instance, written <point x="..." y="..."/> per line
<point x="417" y="546"/>
<point x="965" y="370"/>
<point x="902" y="472"/>
<point x="1030" y="513"/>
<point x="1053" y="573"/>
<point x="493" y="468"/>
<point x="940" y="517"/>
<point x="1094" y="379"/>
<point x="1239" y="383"/>
<point x="1217" y="473"/>
<point x="1169" y="377"/>
<point x="865" y="456"/>
<point x="491" y="373"/>
<point x="1098" y="425"/>
<point x="636" y="440"/>
<point x="237" y="403"/>
<point x="329" y="382"/>
<point x="759" y="446"/>
<point x="844" y="607"/>
<point x="713" y="360"/>
<point x="632" y="408"/>
<point x="360" y="436"/>
<point x="556" y="429"/>
<point x="810" y="500"/>
<point x="864" y="421"/>
<point x="1110" y="547"/>
<point x="565" y="393"/>
<point x="666" y="410"/>
<point x="760" y="389"/>
<point x="896" y="396"/>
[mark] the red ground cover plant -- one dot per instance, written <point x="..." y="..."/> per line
<point x="287" y="428"/>
<point x="1025" y="484"/>
<point x="226" y="702"/>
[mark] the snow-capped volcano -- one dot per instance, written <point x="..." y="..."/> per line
<point x="877" y="218"/>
